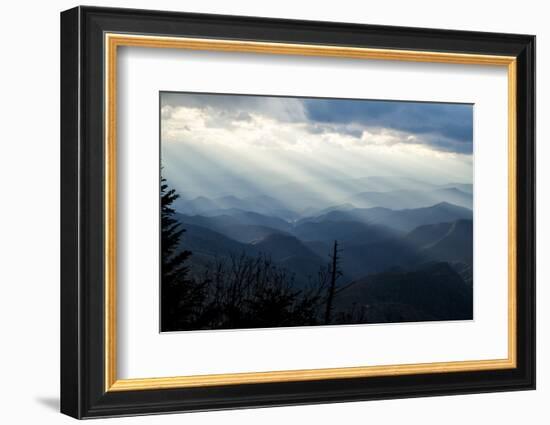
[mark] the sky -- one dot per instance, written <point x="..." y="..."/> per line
<point x="216" y="144"/>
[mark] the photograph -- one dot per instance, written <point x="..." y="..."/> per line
<point x="284" y="210"/>
<point x="279" y="211"/>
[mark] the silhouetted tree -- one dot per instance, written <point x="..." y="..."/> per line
<point x="235" y="291"/>
<point x="181" y="297"/>
<point x="252" y="292"/>
<point x="335" y="273"/>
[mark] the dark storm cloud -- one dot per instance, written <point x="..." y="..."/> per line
<point x="441" y="126"/>
<point x="446" y="127"/>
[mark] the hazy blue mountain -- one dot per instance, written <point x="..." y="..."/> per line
<point x="362" y="215"/>
<point x="454" y="196"/>
<point x="204" y="241"/>
<point x="253" y="218"/>
<point x="305" y="197"/>
<point x="361" y="259"/>
<point x="264" y="205"/>
<point x="433" y="291"/>
<point x="229" y="201"/>
<point x="321" y="248"/>
<point x="426" y="235"/>
<point x="403" y="220"/>
<point x="293" y="255"/>
<point x="451" y="242"/>
<point x="196" y="205"/>
<point x="373" y="240"/>
<point x="209" y="246"/>
<point x="365" y="248"/>
<point x="297" y="257"/>
<point x="389" y="183"/>
<point x="213" y="223"/>
<point x="314" y="212"/>
<point x="343" y="231"/>
<point x="240" y="225"/>
<point x="443" y="212"/>
<point x="281" y="246"/>
<point x="401" y="199"/>
<point x="301" y="198"/>
<point x="265" y="202"/>
<point x="445" y="241"/>
<point x="455" y="245"/>
<point x="296" y="200"/>
<point x="249" y="233"/>
<point x="377" y="252"/>
<point x="269" y="205"/>
<point x="347" y="186"/>
<point x="464" y="187"/>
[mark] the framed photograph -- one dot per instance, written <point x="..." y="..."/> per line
<point x="261" y="212"/>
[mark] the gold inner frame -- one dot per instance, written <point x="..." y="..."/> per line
<point x="113" y="41"/>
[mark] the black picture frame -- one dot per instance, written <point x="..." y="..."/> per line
<point x="83" y="392"/>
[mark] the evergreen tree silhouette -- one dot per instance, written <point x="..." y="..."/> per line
<point x="181" y="297"/>
<point x="235" y="291"/>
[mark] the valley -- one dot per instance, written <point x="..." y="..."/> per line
<point x="403" y="255"/>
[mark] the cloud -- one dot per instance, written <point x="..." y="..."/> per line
<point x="445" y="127"/>
<point x="281" y="109"/>
<point x="437" y="126"/>
<point x="214" y="144"/>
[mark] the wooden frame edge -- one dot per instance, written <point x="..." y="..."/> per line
<point x="306" y="375"/>
<point x="114" y="40"/>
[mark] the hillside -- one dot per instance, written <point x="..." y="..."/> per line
<point x="401" y="199"/>
<point x="400" y="220"/>
<point x="433" y="291"/>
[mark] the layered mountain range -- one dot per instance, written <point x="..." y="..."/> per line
<point x="405" y="247"/>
